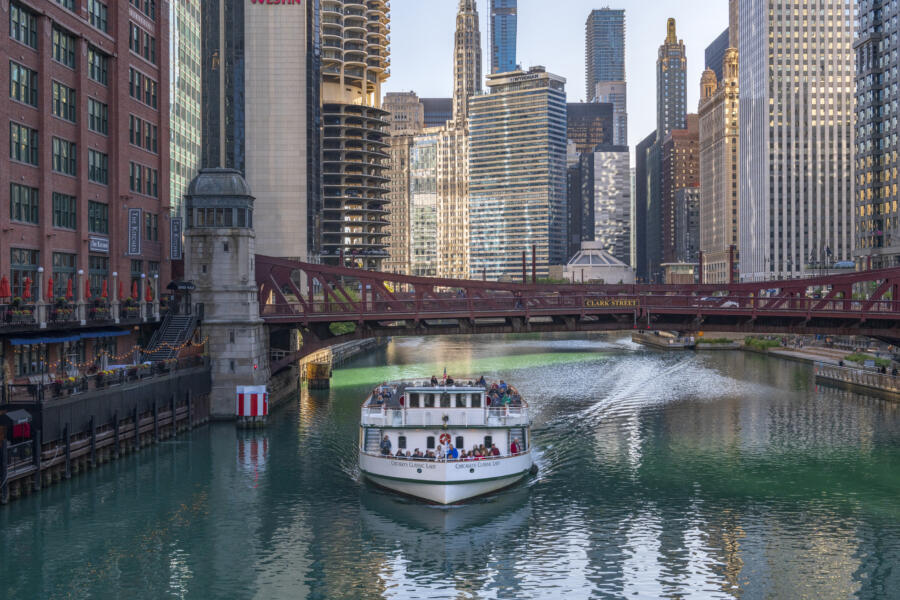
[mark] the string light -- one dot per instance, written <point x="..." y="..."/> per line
<point x="117" y="357"/>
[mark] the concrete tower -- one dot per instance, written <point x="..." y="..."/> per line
<point x="355" y="138"/>
<point x="466" y="59"/>
<point x="220" y="261"/>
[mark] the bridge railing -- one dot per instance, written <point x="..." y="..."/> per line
<point x="550" y="303"/>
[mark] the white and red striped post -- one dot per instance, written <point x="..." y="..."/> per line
<point x="252" y="406"/>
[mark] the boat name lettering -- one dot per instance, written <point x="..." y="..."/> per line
<point x="478" y="464"/>
<point x="610" y="302"/>
<point x="415" y="465"/>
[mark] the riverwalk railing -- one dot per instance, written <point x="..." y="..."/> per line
<point x="859" y="377"/>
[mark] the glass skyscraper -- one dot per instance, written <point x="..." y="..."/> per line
<point x="423" y="205"/>
<point x="517" y="173"/>
<point x="503" y="35"/>
<point x="184" y="99"/>
<point x="604" y="47"/>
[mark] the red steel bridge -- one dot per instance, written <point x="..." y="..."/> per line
<point x="310" y="297"/>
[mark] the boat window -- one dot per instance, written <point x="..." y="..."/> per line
<point x="429" y="400"/>
<point x="476" y="400"/>
<point x="429" y="442"/>
<point x="414" y="401"/>
<point x="459" y="442"/>
<point x="445" y="400"/>
<point x="461" y="400"/>
<point x="401" y="442"/>
<point x="488" y="441"/>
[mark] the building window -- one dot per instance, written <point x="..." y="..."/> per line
<point x="143" y="180"/>
<point x="23" y="143"/>
<point x="97" y="11"/>
<point x="134" y="130"/>
<point x="64" y="102"/>
<point x="23" y="84"/>
<point x="98" y="164"/>
<point x="64" y="211"/>
<point x="151" y="227"/>
<point x="64" y="157"/>
<point x="63" y="47"/>
<point x="137" y="267"/>
<point x="31" y="359"/>
<point x="23" y="203"/>
<point x="98" y="270"/>
<point x="23" y="263"/>
<point x="98" y="217"/>
<point x="23" y="26"/>
<point x="98" y="66"/>
<point x="148" y="7"/>
<point x="98" y="116"/>
<point x="63" y="270"/>
<point x="141" y="43"/>
<point x="69" y="4"/>
<point x="142" y="88"/>
<point x="150" y="137"/>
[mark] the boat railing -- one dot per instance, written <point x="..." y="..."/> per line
<point x="437" y="417"/>
<point x="448" y="460"/>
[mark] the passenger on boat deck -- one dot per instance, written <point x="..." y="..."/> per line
<point x="434" y="380"/>
<point x="449" y="380"/>
<point x="514" y="447"/>
<point x="452" y="453"/>
<point x="386" y="446"/>
<point x="494" y="450"/>
<point x="429" y="454"/>
<point x="482" y="381"/>
<point x="417" y="454"/>
<point x="439" y="451"/>
<point x="502" y="386"/>
<point x="400" y="453"/>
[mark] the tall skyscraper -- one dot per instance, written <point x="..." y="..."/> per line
<point x="466" y="59"/>
<point x="671" y="99"/>
<point x="687" y="225"/>
<point x="606" y="199"/>
<point x="504" y="14"/>
<point x="680" y="169"/>
<point x="276" y="127"/>
<point x="796" y="154"/>
<point x="641" y="194"/>
<point x="877" y="143"/>
<point x="355" y="140"/>
<point x="406" y="118"/>
<point x="185" y="108"/>
<point x="222" y="84"/>
<point x="517" y="199"/>
<point x="715" y="53"/>
<point x="437" y="111"/>
<point x="85" y="170"/>
<point x="605" y="66"/>
<point x="719" y="135"/>
<point x="604" y="47"/>
<point x="671" y="84"/>
<point x="423" y="204"/>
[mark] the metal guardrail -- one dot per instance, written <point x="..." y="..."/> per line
<point x="861" y="377"/>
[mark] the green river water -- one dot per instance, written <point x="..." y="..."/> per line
<point x="662" y="475"/>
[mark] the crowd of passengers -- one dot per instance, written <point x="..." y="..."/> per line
<point x="478" y="452"/>
<point x="498" y="394"/>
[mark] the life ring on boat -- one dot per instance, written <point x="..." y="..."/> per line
<point x="445" y="438"/>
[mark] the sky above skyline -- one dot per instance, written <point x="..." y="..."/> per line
<point x="552" y="34"/>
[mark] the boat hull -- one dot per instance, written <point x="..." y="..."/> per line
<point x="445" y="482"/>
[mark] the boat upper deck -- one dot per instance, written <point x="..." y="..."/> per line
<point x="460" y="403"/>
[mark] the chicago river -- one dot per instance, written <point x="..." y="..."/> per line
<point x="710" y="474"/>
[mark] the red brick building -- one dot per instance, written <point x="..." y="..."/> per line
<point x="85" y="138"/>
<point x="680" y="169"/>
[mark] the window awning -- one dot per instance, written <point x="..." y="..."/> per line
<point x="68" y="337"/>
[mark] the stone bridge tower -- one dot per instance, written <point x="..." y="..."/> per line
<point x="220" y="261"/>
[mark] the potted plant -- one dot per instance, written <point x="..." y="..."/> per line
<point x="130" y="307"/>
<point x="62" y="310"/>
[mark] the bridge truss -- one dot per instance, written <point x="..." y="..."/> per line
<point x="311" y="297"/>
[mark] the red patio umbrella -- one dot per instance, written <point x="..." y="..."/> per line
<point x="49" y="288"/>
<point x="134" y="292"/>
<point x="148" y="296"/>
<point x="121" y="295"/>
<point x="69" y="294"/>
<point x="4" y="288"/>
<point x="104" y="293"/>
<point x="26" y="292"/>
<point x="87" y="288"/>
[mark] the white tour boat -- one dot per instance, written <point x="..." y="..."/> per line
<point x="429" y="418"/>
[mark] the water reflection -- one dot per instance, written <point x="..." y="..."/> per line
<point x="707" y="475"/>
